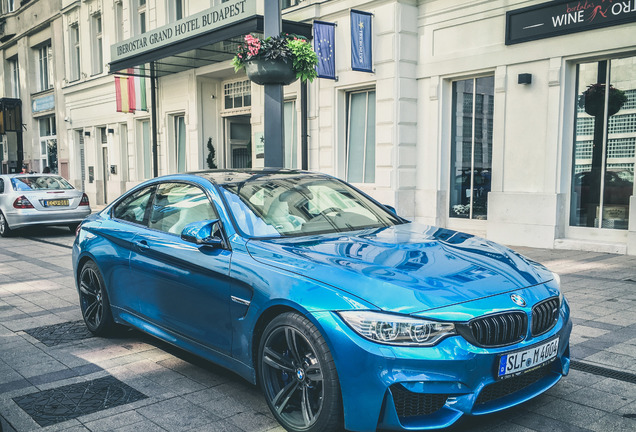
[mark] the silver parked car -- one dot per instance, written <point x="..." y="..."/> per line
<point x="39" y="199"/>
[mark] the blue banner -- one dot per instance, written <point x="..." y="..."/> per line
<point x="325" y="48"/>
<point x="361" y="34"/>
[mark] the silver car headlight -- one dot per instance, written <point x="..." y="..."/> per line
<point x="397" y="329"/>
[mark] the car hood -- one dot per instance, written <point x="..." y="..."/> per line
<point x="406" y="268"/>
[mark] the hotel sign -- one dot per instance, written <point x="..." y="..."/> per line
<point x="564" y="17"/>
<point x="198" y="24"/>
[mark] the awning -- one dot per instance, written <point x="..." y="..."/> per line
<point x="200" y="49"/>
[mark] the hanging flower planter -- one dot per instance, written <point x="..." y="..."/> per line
<point x="593" y="100"/>
<point x="261" y="71"/>
<point x="276" y="60"/>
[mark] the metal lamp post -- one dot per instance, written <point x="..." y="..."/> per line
<point x="274" y="143"/>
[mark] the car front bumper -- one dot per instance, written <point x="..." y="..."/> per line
<point x="20" y="218"/>
<point x="417" y="388"/>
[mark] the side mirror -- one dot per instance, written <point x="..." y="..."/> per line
<point x="202" y="233"/>
<point x="391" y="209"/>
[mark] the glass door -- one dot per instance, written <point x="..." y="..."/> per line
<point x="604" y="144"/>
<point x="238" y="144"/>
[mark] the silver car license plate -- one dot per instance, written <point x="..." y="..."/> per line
<point x="56" y="203"/>
<point x="519" y="361"/>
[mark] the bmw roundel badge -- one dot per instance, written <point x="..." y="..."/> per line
<point x="518" y="300"/>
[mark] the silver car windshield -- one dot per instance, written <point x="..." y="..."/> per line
<point x="43" y="182"/>
<point x="302" y="206"/>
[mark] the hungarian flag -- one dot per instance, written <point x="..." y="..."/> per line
<point x="130" y="91"/>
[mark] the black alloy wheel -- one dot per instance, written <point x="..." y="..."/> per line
<point x="298" y="376"/>
<point x="94" y="301"/>
<point x="5" y="231"/>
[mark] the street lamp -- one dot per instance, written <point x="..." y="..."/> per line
<point x="274" y="143"/>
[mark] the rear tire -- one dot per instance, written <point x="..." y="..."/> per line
<point x="94" y="301"/>
<point x="73" y="227"/>
<point x="298" y="376"/>
<point x="5" y="231"/>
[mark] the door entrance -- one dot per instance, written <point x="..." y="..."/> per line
<point x="238" y="143"/>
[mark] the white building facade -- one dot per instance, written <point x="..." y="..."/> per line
<point x="468" y="122"/>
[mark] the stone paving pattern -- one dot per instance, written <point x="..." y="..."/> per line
<point x="189" y="394"/>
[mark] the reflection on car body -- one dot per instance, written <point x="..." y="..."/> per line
<point x="334" y="305"/>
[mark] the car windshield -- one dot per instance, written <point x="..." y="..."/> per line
<point x="28" y="183"/>
<point x="302" y="206"/>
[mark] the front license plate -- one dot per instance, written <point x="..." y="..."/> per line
<point x="520" y="361"/>
<point x="52" y="203"/>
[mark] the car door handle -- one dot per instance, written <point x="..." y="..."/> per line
<point x="142" y="245"/>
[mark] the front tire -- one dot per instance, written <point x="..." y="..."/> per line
<point x="298" y="376"/>
<point x="94" y="301"/>
<point x="5" y="231"/>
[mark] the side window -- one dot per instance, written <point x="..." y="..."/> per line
<point x="1" y="186"/>
<point x="177" y="205"/>
<point x="134" y="207"/>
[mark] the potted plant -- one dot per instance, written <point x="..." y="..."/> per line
<point x="593" y="99"/>
<point x="276" y="60"/>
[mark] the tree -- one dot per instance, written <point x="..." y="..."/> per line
<point x="211" y="159"/>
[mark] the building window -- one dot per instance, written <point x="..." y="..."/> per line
<point x="75" y="52"/>
<point x="360" y="146"/>
<point x="605" y="144"/>
<point x="180" y="142"/>
<point x="291" y="134"/>
<point x="237" y="95"/>
<point x="48" y="143"/>
<point x="143" y="133"/>
<point x="10" y="5"/>
<point x="14" y="70"/>
<point x="119" y="21"/>
<point x="140" y="16"/>
<point x="290" y="3"/>
<point x="44" y="69"/>
<point x="471" y="147"/>
<point x="97" y="51"/>
<point x="176" y="10"/>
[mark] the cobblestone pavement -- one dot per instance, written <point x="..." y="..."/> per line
<point x="49" y="362"/>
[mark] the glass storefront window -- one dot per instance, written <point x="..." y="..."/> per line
<point x="361" y="137"/>
<point x="605" y="143"/>
<point x="180" y="140"/>
<point x="291" y="135"/>
<point x="48" y="143"/>
<point x="471" y="147"/>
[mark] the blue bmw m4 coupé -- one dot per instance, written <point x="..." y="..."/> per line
<point x="345" y="314"/>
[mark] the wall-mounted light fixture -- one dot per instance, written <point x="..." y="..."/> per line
<point x="524" y="78"/>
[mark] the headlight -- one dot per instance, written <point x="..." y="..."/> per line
<point x="557" y="279"/>
<point x="396" y="329"/>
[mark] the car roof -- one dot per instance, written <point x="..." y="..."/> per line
<point x="227" y="176"/>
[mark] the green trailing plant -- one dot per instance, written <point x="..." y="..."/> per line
<point x="286" y="47"/>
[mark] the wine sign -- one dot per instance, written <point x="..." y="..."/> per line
<point x="558" y="18"/>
